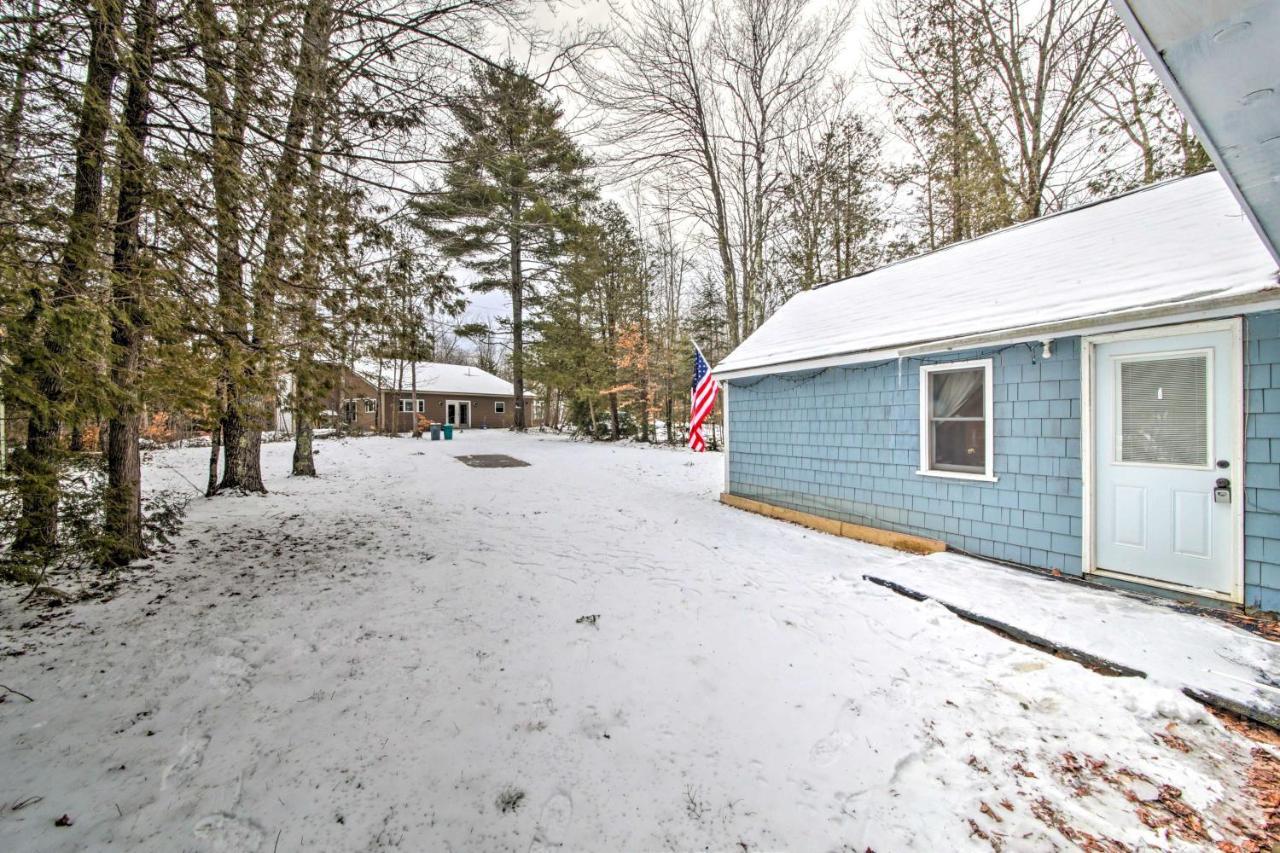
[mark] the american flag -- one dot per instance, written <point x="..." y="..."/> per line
<point x="703" y="399"/>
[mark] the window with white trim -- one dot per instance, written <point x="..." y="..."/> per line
<point x="956" y="434"/>
<point x="406" y="404"/>
<point x="499" y="407"/>
<point x="370" y="407"/>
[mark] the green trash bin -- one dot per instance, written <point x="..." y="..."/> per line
<point x="448" y="432"/>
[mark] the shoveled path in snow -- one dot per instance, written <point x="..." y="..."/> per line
<point x="390" y="656"/>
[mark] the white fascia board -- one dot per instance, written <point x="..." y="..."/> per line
<point x="1120" y="321"/>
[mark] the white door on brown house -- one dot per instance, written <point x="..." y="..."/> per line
<point x="457" y="412"/>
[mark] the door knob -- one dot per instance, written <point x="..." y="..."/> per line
<point x="1222" y="491"/>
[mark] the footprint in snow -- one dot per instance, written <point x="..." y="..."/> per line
<point x="230" y="673"/>
<point x="553" y="823"/>
<point x="827" y="751"/>
<point x="224" y="832"/>
<point x="182" y="772"/>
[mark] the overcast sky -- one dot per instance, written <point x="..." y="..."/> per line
<point x="558" y="18"/>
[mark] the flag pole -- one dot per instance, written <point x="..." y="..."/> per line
<point x="689" y="430"/>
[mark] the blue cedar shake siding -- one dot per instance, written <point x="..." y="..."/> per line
<point x="1262" y="461"/>
<point x="845" y="443"/>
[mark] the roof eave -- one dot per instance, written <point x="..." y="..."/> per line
<point x="1137" y="317"/>
<point x="1208" y="137"/>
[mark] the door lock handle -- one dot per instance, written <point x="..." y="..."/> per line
<point x="1222" y="491"/>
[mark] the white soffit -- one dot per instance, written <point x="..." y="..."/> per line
<point x="1220" y="60"/>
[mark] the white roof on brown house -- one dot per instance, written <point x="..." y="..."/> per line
<point x="1181" y="245"/>
<point x="434" y="378"/>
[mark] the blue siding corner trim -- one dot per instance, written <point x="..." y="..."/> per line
<point x="1262" y="461"/>
<point x="844" y="443"/>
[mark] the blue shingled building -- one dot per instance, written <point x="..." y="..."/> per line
<point x="1096" y="392"/>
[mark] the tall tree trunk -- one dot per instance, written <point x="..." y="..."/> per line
<point x="956" y="141"/>
<point x="671" y="415"/>
<point x="228" y="119"/>
<point x="644" y="409"/>
<point x="25" y="65"/>
<point x="399" y="384"/>
<point x="413" y="391"/>
<point x="75" y="440"/>
<point x="251" y="446"/>
<point x="707" y="153"/>
<point x="123" y="501"/>
<point x="282" y="218"/>
<point x="304" y="460"/>
<point x="215" y="445"/>
<point x="517" y="316"/>
<point x="37" y="466"/>
<point x="724" y="243"/>
<point x="304" y="390"/>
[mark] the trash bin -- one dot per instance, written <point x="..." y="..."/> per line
<point x="435" y="432"/>
<point x="448" y="432"/>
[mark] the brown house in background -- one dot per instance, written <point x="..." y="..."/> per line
<point x="379" y="397"/>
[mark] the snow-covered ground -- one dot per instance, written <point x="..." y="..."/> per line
<point x="1180" y="649"/>
<point x="394" y="655"/>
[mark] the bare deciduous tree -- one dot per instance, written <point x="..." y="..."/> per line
<point x="710" y="95"/>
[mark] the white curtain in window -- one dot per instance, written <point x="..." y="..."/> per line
<point x="952" y="389"/>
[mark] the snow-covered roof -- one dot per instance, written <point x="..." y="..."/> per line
<point x="434" y="378"/>
<point x="1183" y="243"/>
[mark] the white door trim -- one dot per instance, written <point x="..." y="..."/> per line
<point x="1088" y="450"/>
<point x="724" y="412"/>
<point x="457" y="412"/>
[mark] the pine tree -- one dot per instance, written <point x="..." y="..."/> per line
<point x="616" y="289"/>
<point x="595" y="304"/>
<point x="515" y="184"/>
<point x="58" y="332"/>
<point x="123" y="499"/>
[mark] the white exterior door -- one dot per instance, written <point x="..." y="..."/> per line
<point x="1167" y="478"/>
<point x="457" y="413"/>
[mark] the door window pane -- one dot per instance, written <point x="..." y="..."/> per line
<point x="1164" y="410"/>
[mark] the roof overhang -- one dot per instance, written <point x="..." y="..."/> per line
<point x="1136" y="318"/>
<point x="1220" y="61"/>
